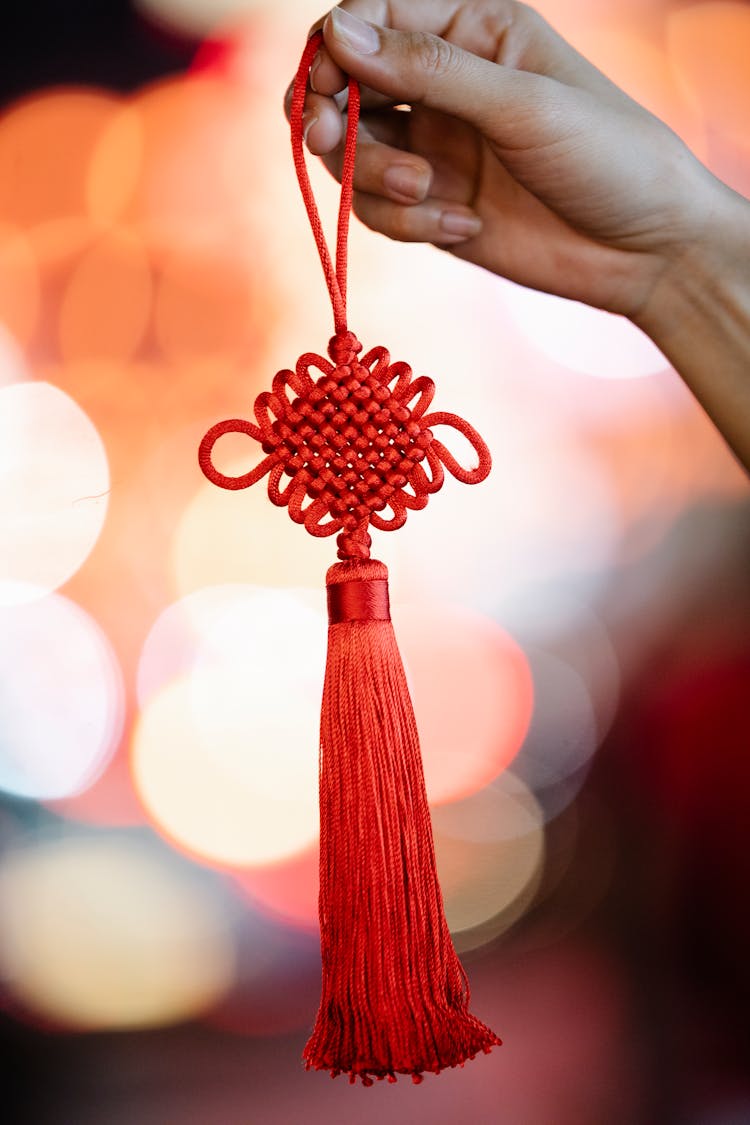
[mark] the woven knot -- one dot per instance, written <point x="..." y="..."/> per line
<point x="343" y="348"/>
<point x="356" y="441"/>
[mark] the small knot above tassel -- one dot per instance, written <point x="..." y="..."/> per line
<point x="354" y="545"/>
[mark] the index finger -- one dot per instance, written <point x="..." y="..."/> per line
<point x="504" y="31"/>
<point x="434" y="16"/>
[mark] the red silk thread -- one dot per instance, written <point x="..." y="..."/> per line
<point x="394" y="995"/>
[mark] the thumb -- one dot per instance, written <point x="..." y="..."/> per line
<point x="416" y="67"/>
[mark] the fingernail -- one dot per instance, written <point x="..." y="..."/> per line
<point x="460" y="223"/>
<point x="406" y="180"/>
<point x="308" y="120"/>
<point x="354" y="33"/>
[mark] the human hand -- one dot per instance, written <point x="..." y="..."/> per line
<point x="517" y="154"/>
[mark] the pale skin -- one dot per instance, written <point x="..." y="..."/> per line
<point x="520" y="156"/>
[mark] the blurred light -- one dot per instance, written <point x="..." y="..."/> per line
<point x="19" y="285"/>
<point x="490" y="851"/>
<point x="115" y="166"/>
<point x="287" y="890"/>
<point x="546" y="515"/>
<point x="548" y="511"/>
<point x="276" y="987"/>
<point x="221" y="794"/>
<point x="232" y="626"/>
<point x="12" y="364"/>
<point x="642" y="69"/>
<point x="226" y="537"/>
<point x="57" y="245"/>
<point x="583" y="338"/>
<point x="197" y="18"/>
<point x="45" y="144"/>
<point x="99" y="933"/>
<point x="576" y="637"/>
<point x="225" y="756"/>
<point x="61" y="707"/>
<point x="472" y="695"/>
<point x="563" y="735"/>
<point x="110" y="801"/>
<point x="54" y="481"/>
<point x="568" y="16"/>
<point x="107" y="300"/>
<point x="205" y="306"/>
<point x="166" y="138"/>
<point x="709" y="48"/>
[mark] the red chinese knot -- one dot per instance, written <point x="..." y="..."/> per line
<point x="356" y="442"/>
<point x="348" y="444"/>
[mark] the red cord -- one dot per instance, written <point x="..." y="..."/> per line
<point x="335" y="277"/>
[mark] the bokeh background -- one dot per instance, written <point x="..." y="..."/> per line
<point x="576" y="629"/>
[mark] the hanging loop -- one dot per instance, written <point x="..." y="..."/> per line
<point x="335" y="275"/>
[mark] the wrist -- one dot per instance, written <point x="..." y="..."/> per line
<point x="698" y="313"/>
<point x="706" y="274"/>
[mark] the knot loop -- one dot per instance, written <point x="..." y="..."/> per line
<point x="335" y="273"/>
<point x="343" y="348"/>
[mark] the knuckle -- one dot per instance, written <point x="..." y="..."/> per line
<point x="494" y="17"/>
<point x="362" y="208"/>
<point x="400" y="224"/>
<point x="333" y="162"/>
<point x="528" y="18"/>
<point x="523" y="11"/>
<point x="381" y="216"/>
<point x="434" y="56"/>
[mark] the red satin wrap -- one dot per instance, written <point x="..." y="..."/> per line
<point x="358" y="601"/>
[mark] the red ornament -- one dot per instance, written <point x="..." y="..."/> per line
<point x="357" y="446"/>
<point x="353" y="444"/>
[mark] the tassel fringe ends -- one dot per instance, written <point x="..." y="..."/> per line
<point x="394" y="996"/>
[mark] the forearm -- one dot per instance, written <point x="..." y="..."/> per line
<point x="699" y="316"/>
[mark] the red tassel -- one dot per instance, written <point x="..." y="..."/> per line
<point x="395" y="997"/>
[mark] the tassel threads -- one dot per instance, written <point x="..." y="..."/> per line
<point x="395" y="996"/>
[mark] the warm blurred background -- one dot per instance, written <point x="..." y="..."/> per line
<point x="580" y="665"/>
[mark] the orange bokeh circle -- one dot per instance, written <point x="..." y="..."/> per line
<point x="472" y="692"/>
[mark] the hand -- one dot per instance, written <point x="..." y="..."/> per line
<point x="520" y="156"/>
<point x="517" y="154"/>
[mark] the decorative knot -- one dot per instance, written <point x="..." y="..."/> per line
<point x="343" y="348"/>
<point x="355" y="441"/>
<point x="354" y="545"/>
